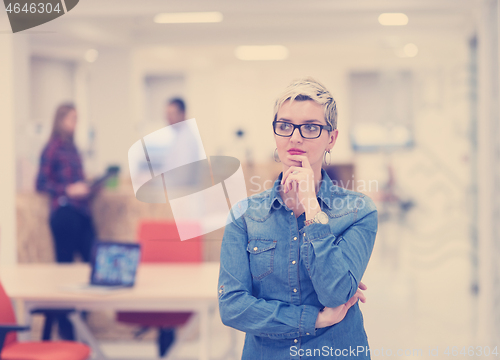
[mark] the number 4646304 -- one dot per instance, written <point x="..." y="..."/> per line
<point x="33" y="8"/>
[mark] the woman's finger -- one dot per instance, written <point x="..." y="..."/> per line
<point x="294" y="175"/>
<point x="293" y="184"/>
<point x="305" y="163"/>
<point x="287" y="185"/>
<point x="302" y="158"/>
<point x="286" y="174"/>
<point x="291" y="180"/>
<point x="361" y="296"/>
<point x="351" y="302"/>
<point x="362" y="286"/>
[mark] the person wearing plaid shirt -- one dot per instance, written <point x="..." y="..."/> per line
<point x="61" y="176"/>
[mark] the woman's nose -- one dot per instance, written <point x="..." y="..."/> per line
<point x="296" y="137"/>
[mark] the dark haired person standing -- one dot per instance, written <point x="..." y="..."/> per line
<point x="61" y="177"/>
<point x="186" y="145"/>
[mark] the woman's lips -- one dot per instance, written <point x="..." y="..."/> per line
<point x="296" y="152"/>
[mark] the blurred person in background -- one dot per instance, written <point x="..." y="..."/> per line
<point x="175" y="111"/>
<point x="185" y="147"/>
<point x="291" y="263"/>
<point x="61" y="177"/>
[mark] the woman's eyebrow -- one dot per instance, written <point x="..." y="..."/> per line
<point x="313" y="120"/>
<point x="306" y="121"/>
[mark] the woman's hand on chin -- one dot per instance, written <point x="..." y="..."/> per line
<point x="300" y="179"/>
<point x="331" y="316"/>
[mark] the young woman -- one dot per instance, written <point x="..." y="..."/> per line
<point x="293" y="258"/>
<point x="61" y="176"/>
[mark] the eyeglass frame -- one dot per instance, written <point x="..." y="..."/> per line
<point x="321" y="127"/>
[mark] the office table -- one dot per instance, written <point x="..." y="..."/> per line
<point x="158" y="287"/>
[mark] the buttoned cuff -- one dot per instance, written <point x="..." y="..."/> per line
<point x="316" y="231"/>
<point x="308" y="318"/>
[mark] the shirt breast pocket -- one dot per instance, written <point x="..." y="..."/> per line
<point x="261" y="257"/>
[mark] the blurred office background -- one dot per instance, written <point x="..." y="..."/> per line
<point x="417" y="97"/>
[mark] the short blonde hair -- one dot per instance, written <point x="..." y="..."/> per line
<point x="309" y="89"/>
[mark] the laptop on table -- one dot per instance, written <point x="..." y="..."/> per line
<point x="114" y="266"/>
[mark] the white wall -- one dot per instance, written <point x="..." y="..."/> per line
<point x="7" y="181"/>
<point x="52" y="83"/>
<point x="48" y="83"/>
<point x="13" y="95"/>
<point x="110" y="108"/>
<point x="488" y="174"/>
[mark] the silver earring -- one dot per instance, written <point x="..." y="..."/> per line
<point x="275" y="156"/>
<point x="327" y="163"/>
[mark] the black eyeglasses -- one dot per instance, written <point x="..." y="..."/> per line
<point x="307" y="131"/>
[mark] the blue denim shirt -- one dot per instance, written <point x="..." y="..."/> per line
<point x="276" y="275"/>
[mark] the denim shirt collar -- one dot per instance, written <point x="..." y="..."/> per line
<point x="325" y="192"/>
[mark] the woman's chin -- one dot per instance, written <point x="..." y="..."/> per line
<point x="290" y="163"/>
<point x="295" y="162"/>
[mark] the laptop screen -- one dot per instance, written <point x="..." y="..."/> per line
<point x="114" y="263"/>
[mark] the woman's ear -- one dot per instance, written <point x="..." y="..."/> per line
<point x="332" y="139"/>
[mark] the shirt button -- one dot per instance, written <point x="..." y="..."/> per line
<point x="292" y="212"/>
<point x="295" y="238"/>
<point x="307" y="333"/>
<point x="255" y="248"/>
<point x="304" y="234"/>
<point x="220" y="291"/>
<point x="293" y="262"/>
<point x="294" y="290"/>
<point x="295" y="341"/>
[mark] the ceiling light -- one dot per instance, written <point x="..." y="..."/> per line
<point x="91" y="55"/>
<point x="188" y="17"/>
<point x="266" y="52"/>
<point x="393" y="19"/>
